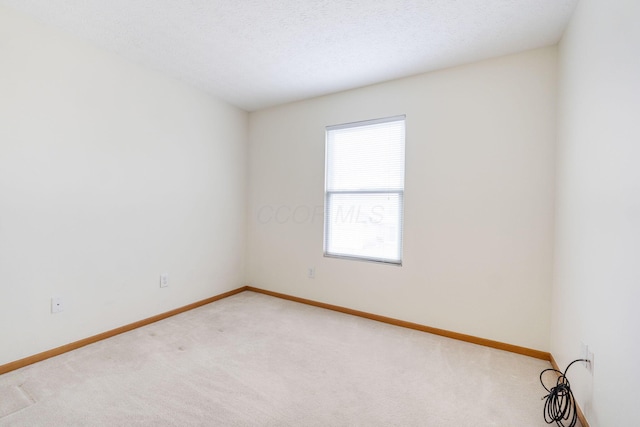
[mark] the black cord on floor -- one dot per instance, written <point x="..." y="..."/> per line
<point x="560" y="405"/>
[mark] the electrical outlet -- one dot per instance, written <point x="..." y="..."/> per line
<point x="586" y="353"/>
<point x="164" y="280"/>
<point x="311" y="272"/>
<point x="590" y="364"/>
<point x="57" y="304"/>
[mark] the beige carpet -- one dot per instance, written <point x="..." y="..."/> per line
<point x="254" y="360"/>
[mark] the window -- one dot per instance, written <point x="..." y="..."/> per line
<point x="364" y="190"/>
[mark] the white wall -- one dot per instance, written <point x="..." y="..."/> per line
<point x="596" y="295"/>
<point x="479" y="200"/>
<point x="109" y="175"/>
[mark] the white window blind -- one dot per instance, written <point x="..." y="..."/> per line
<point x="364" y="190"/>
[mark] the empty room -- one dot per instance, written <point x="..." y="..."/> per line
<point x="320" y="213"/>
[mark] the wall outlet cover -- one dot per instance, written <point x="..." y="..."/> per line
<point x="57" y="304"/>
<point x="164" y="280"/>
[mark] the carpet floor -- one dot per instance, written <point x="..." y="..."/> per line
<point x="255" y="360"/>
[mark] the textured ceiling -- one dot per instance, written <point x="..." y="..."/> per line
<point x="259" y="53"/>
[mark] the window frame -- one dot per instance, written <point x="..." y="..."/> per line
<point x="397" y="191"/>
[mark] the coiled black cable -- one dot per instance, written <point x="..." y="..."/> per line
<point x="560" y="405"/>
